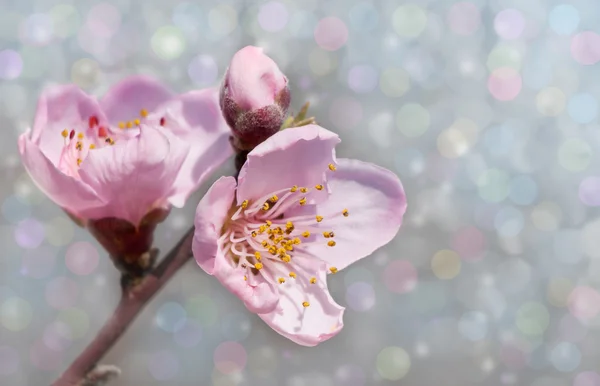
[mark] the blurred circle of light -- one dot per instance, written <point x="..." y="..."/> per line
<point x="504" y="56"/>
<point x="585" y="48"/>
<point x="345" y="113"/>
<point x="321" y="62"/>
<point x="464" y="18"/>
<point x="564" y="19"/>
<point x="350" y="375"/>
<point x="189" y="335"/>
<point x="410" y="162"/>
<point x="452" y="143"/>
<point x="36" y="30"/>
<point x="509" y="222"/>
<point x="469" y="243"/>
<point x="584" y="303"/>
<point x="537" y="74"/>
<point x="572" y="329"/>
<point x="15" y="314"/>
<point x="575" y="155"/>
<point x="409" y="20"/>
<point x="566" y="245"/>
<point x="357" y="274"/>
<point x="558" y="291"/>
<point x="400" y="276"/>
<point x="82" y="258"/>
<point x="302" y="25"/>
<point x="565" y="357"/>
<point x="589" y="191"/>
<point x="445" y="264"/>
<point x="546" y="216"/>
<point x="29" y="234"/>
<point x="203" y="70"/>
<point x="223" y="20"/>
<point x="499" y="139"/>
<point x="273" y="16"/>
<point x="583" y="108"/>
<point x="163" y="365"/>
<point x="61" y="293"/>
<point x="77" y="320"/>
<point x="412" y="120"/>
<point x="364" y="17"/>
<point x="523" y="190"/>
<point x="263" y="361"/>
<point x="394" y="82"/>
<point x="509" y="24"/>
<point x="11" y="64"/>
<point x="168" y="42"/>
<point x="360" y="296"/>
<point x="14" y="210"/>
<point x="236" y="326"/>
<point x="189" y="17"/>
<point x="393" y="363"/>
<point x="38" y="263"/>
<point x="85" y="73"/>
<point x="201" y="309"/>
<point x="170" y="317"/>
<point x="473" y="325"/>
<point x="331" y="33"/>
<point x="57" y="336"/>
<point x="513" y="275"/>
<point x="493" y="185"/>
<point x="9" y="360"/>
<point x="587" y="378"/>
<point x="230" y="357"/>
<point x="65" y="19"/>
<point x="43" y="357"/>
<point x="532" y="318"/>
<point x="505" y="84"/>
<point x="362" y="79"/>
<point x="104" y="19"/>
<point x="59" y="231"/>
<point x="551" y="101"/>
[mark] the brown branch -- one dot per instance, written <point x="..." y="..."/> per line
<point x="132" y="302"/>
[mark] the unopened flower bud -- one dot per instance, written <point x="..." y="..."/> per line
<point x="254" y="97"/>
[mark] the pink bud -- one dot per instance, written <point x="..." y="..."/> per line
<point x="254" y="96"/>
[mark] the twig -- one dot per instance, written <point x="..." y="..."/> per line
<point x="132" y="302"/>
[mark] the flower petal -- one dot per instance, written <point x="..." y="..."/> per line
<point x="257" y="294"/>
<point x="195" y="118"/>
<point x="59" y="108"/>
<point x="376" y="204"/>
<point x="67" y="192"/>
<point x="297" y="156"/>
<point x="311" y="325"/>
<point x="133" y="176"/>
<point x="125" y="100"/>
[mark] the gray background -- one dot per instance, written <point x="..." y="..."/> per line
<point x="487" y="110"/>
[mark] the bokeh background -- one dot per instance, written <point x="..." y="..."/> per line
<point x="486" y="109"/>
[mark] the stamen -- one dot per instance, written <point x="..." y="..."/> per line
<point x="265" y="206"/>
<point x="293" y="275"/>
<point x="244" y="204"/>
<point x="80" y="135"/>
<point x="253" y="234"/>
<point x="71" y="134"/>
<point x="274" y="198"/>
<point x="333" y="269"/>
<point x="303" y="201"/>
<point x="92" y="146"/>
<point x="303" y="190"/>
<point x="136" y="122"/>
<point x="313" y="280"/>
<point x="64" y="133"/>
<point x="319" y="187"/>
<point x="269" y="223"/>
<point x="305" y="304"/>
<point x="257" y="255"/>
<point x="79" y="146"/>
<point x="79" y="161"/>
<point x="121" y="125"/>
<point x="144" y="113"/>
<point x="258" y="266"/>
<point x="162" y="121"/>
<point x="331" y="243"/>
<point x="281" y="280"/>
<point x="110" y="141"/>
<point x="326" y="235"/>
<point x="306" y="234"/>
<point x="245" y="277"/>
<point x="293" y="189"/>
<point x="319" y="218"/>
<point x="129" y="124"/>
<point x="345" y="213"/>
<point x="332" y="167"/>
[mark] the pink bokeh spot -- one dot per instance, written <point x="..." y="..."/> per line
<point x="505" y="84"/>
<point x="589" y="191"/>
<point x="44" y="358"/>
<point x="509" y="24"/>
<point x="464" y="18"/>
<point x="584" y="303"/>
<point x="585" y="48"/>
<point x="400" y="276"/>
<point x="82" y="258"/>
<point x="587" y="378"/>
<point x="469" y="243"/>
<point x="61" y="293"/>
<point x="331" y="33"/>
<point x="230" y="357"/>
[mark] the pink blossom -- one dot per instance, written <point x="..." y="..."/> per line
<point x="137" y="149"/>
<point x="295" y="215"/>
<point x="255" y="96"/>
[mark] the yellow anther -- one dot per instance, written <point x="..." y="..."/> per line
<point x="305" y="304"/>
<point x="136" y="122"/>
<point x="269" y="223"/>
<point x="80" y="135"/>
<point x="296" y="240"/>
<point x="319" y="218"/>
<point x="303" y="190"/>
<point x="129" y="124"/>
<point x="303" y="201"/>
<point x="79" y="145"/>
<point x="244" y="204"/>
<point x="293" y="275"/>
<point x="331" y="234"/>
<point x="92" y="146"/>
<point x="257" y="255"/>
<point x="110" y="141"/>
<point x="293" y="189"/>
<point x="262" y="229"/>
<point x="245" y="277"/>
<point x="274" y="198"/>
<point x="313" y="280"/>
<point x="306" y="234"/>
<point x="143" y="113"/>
<point x="264" y="243"/>
<point x="319" y="187"/>
<point x="281" y="280"/>
<point x="64" y="133"/>
<point x="254" y="234"/>
<point x="326" y="235"/>
<point x="258" y="266"/>
<point x="273" y="250"/>
<point x="289" y="225"/>
<point x="333" y="269"/>
<point x="331" y="243"/>
<point x="332" y="167"/>
<point x="286" y="258"/>
<point x="345" y="212"/>
<point x="79" y="161"/>
<point x="121" y="125"/>
<point x="281" y="252"/>
<point x="266" y="206"/>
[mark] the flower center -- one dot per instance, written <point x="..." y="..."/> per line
<point x="267" y="237"/>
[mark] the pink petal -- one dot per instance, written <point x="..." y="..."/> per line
<point x="253" y="79"/>
<point x="376" y="203"/>
<point x="67" y="192"/>
<point x="298" y="156"/>
<point x="125" y="100"/>
<point x="307" y="326"/>
<point x="195" y="118"/>
<point x="134" y="176"/>
<point x="60" y="108"/>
